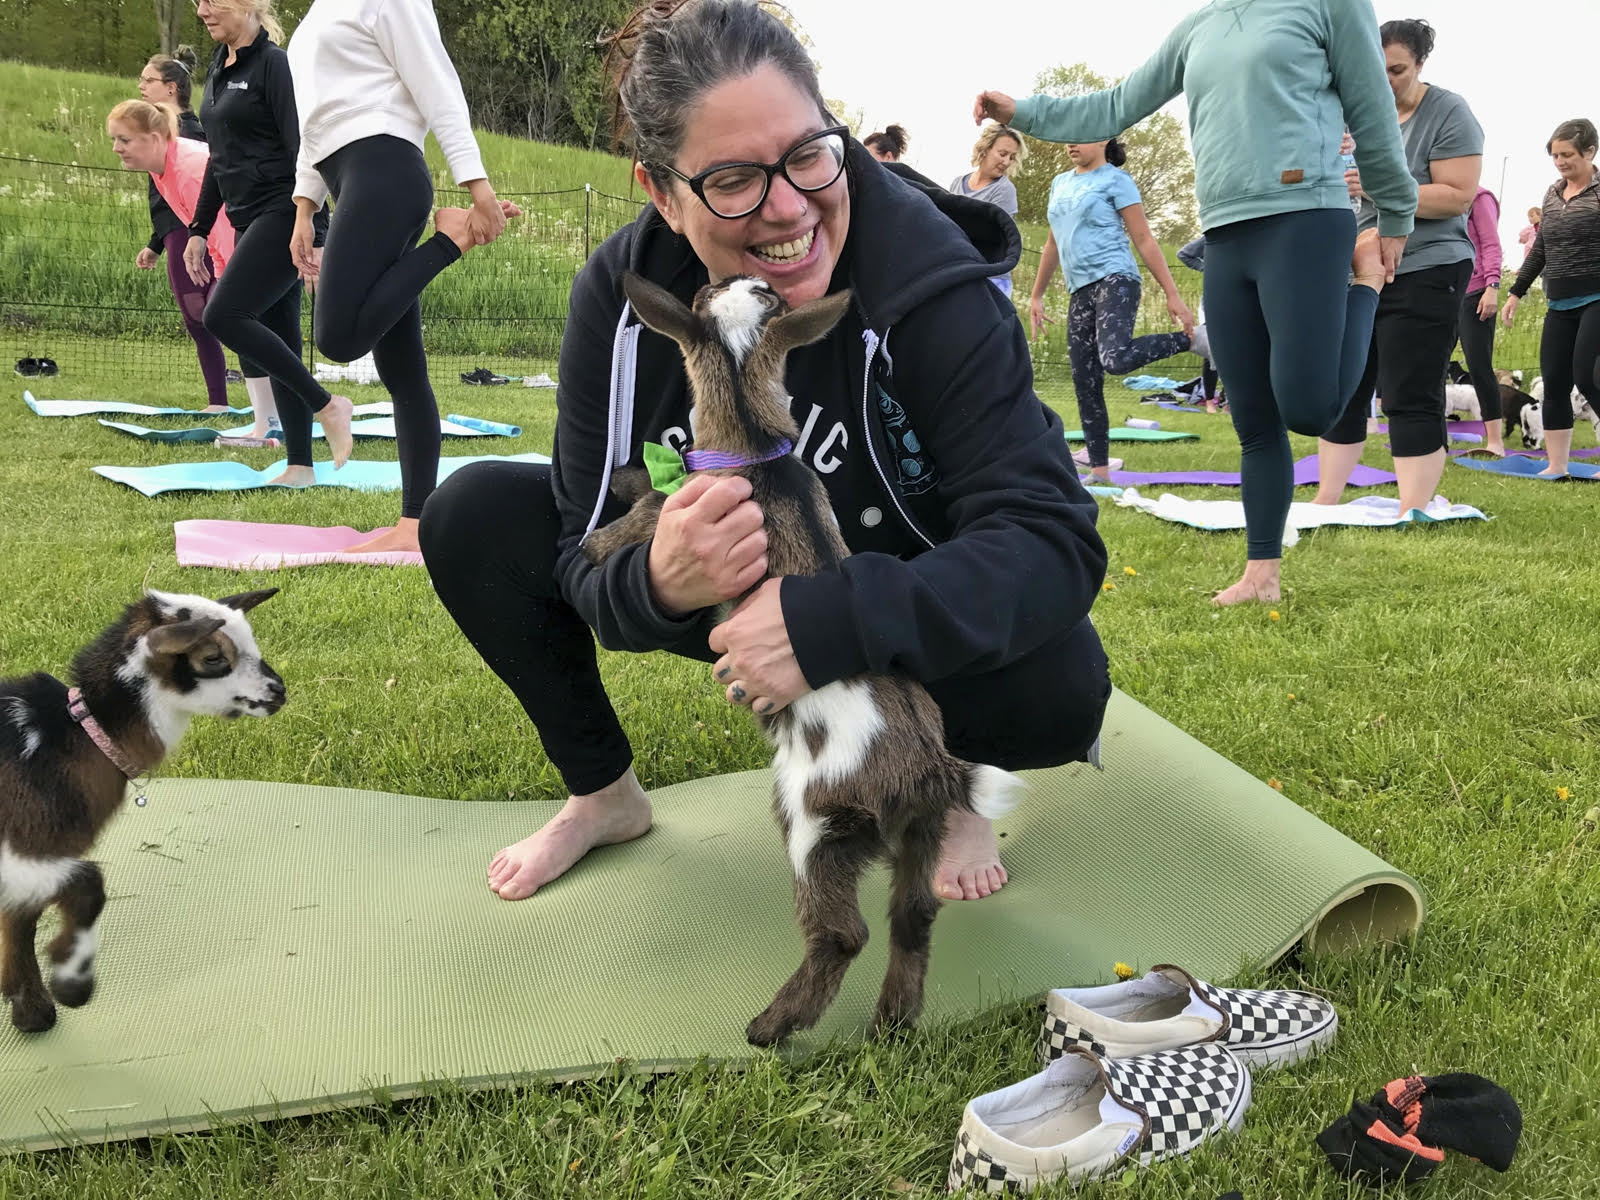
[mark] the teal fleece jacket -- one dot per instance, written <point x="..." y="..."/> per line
<point x="1271" y="85"/>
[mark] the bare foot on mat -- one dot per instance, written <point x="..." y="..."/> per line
<point x="216" y="408"/>
<point x="619" y="813"/>
<point x="401" y="537"/>
<point x="296" y="477"/>
<point x="1260" y="583"/>
<point x="969" y="867"/>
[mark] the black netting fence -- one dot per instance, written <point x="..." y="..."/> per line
<point x="70" y="291"/>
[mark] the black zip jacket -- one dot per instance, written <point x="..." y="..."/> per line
<point x="162" y="219"/>
<point x="254" y="132"/>
<point x="1566" y="250"/>
<point x="972" y="540"/>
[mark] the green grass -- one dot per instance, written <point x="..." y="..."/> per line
<point x="1444" y="690"/>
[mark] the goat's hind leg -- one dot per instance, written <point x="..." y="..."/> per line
<point x="20" y="982"/>
<point x="73" y="949"/>
<point x="829" y="910"/>
<point x="913" y="906"/>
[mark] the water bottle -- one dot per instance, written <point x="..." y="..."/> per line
<point x="1141" y="423"/>
<point x="1349" y="161"/>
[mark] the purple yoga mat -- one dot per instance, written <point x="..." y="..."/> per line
<point x="247" y="546"/>
<point x="1305" y="473"/>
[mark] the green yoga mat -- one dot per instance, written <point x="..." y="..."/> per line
<point x="1139" y="435"/>
<point x="272" y="949"/>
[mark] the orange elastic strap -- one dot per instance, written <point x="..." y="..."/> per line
<point x="1409" y="1141"/>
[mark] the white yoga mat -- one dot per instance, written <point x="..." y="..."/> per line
<point x="1373" y="512"/>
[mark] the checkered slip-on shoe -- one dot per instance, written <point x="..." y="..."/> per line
<point x="1170" y="1008"/>
<point x="1084" y="1116"/>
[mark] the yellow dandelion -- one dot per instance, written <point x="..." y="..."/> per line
<point x="1108" y="586"/>
<point x="1129" y="571"/>
<point x="1123" y="970"/>
<point x="1273" y="614"/>
<point x="1275" y="785"/>
<point x="1291" y="695"/>
<point x="1563" y="793"/>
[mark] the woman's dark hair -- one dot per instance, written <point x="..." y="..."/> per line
<point x="178" y="68"/>
<point x="670" y="53"/>
<point x="892" y="141"/>
<point x="1580" y="132"/>
<point x="1415" y="36"/>
<point x="1116" y="152"/>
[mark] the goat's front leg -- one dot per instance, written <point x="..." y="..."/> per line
<point x="638" y="524"/>
<point x="20" y="981"/>
<point x="829" y="910"/>
<point x="73" y="949"/>
<point x="912" y="908"/>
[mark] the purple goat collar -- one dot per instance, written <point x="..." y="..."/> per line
<point x="721" y="460"/>
<point x="79" y="711"/>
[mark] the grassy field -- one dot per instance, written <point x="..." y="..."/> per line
<point x="1444" y="712"/>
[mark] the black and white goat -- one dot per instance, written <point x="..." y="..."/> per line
<point x="68" y="754"/>
<point x="860" y="767"/>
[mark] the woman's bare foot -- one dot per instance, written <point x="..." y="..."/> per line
<point x="1260" y="582"/>
<point x="1103" y="474"/>
<point x="618" y="813"/>
<point x="1366" y="264"/>
<point x="969" y="865"/>
<point x="334" y="417"/>
<point x="216" y="408"/>
<point x="452" y="222"/>
<point x="296" y="477"/>
<point x="401" y="537"/>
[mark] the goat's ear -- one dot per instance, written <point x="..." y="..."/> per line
<point x="808" y="323"/>
<point x="182" y="636"/>
<point x="245" y="601"/>
<point x="662" y="311"/>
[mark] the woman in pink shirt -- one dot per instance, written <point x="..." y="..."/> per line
<point x="1529" y="232"/>
<point x="1478" y="307"/>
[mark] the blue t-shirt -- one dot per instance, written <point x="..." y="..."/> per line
<point x="1085" y="214"/>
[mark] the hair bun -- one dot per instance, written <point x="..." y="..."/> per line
<point x="186" y="57"/>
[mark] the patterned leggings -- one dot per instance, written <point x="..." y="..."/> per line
<point x="1100" y="339"/>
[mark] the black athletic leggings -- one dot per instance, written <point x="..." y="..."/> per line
<point x="1477" y="347"/>
<point x="1042" y="710"/>
<point x="1569" y="356"/>
<point x="1418" y="317"/>
<point x="372" y="273"/>
<point x="255" y="311"/>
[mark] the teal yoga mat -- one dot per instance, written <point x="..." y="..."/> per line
<point x="1527" y="468"/>
<point x="360" y="474"/>
<point x="84" y="408"/>
<point x="1139" y="435"/>
<point x="454" y="425"/>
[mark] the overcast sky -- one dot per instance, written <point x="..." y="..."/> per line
<point x="920" y="62"/>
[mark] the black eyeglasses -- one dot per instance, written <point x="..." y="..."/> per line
<point x="735" y="190"/>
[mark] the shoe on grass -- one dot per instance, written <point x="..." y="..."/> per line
<point x="1085" y="1116"/>
<point x="1169" y="1008"/>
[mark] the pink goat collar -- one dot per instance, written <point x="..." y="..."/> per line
<point x="78" y="709"/>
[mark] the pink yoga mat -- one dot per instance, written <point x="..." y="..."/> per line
<point x="248" y="546"/>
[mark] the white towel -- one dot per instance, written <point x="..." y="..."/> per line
<point x="1370" y="511"/>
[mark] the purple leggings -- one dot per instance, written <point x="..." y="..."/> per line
<point x="192" y="304"/>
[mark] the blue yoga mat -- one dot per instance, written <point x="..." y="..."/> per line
<point x="1527" y="467"/>
<point x="84" y="408"/>
<point x="358" y="474"/>
<point x="454" y="425"/>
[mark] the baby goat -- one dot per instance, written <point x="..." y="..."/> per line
<point x="860" y="767"/>
<point x="67" y="755"/>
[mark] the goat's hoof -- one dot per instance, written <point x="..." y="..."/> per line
<point x="889" y="1029"/>
<point x="33" y="1016"/>
<point x="769" y="1028"/>
<point x="74" y="991"/>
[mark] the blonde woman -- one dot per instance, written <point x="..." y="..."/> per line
<point x="995" y="154"/>
<point x="251" y="124"/>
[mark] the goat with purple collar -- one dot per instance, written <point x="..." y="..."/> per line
<point x="67" y="756"/>
<point x="860" y="766"/>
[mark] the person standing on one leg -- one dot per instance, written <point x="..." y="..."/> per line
<point x="1420" y="312"/>
<point x="1089" y="209"/>
<point x="370" y="82"/>
<point x="1287" y="326"/>
<point x="1193" y="256"/>
<point x="1566" y="252"/>
<point x="254" y="133"/>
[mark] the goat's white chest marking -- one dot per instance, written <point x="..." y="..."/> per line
<point x="849" y="722"/>
<point x="26" y="882"/>
<point x="738" y="312"/>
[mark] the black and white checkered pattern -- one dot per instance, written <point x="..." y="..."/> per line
<point x="1187" y="1095"/>
<point x="1267" y="1018"/>
<point x="972" y="1169"/>
<point x="1057" y="1035"/>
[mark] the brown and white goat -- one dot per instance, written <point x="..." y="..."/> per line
<point x="67" y="756"/>
<point x="860" y="767"/>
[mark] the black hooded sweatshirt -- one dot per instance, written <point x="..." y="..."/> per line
<point x="972" y="541"/>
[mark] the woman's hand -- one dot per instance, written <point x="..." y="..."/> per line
<point x="1180" y="314"/>
<point x="1352" y="183"/>
<point x="146" y="259"/>
<point x="486" y="220"/>
<point x="757" y="664"/>
<point x="1037" y="319"/>
<point x="195" y="261"/>
<point x="995" y="105"/>
<point x="1392" y="249"/>
<point x="1508" y="312"/>
<point x="303" y="250"/>
<point x="1486" y="304"/>
<point x="709" y="544"/>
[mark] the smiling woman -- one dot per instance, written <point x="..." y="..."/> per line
<point x="949" y="479"/>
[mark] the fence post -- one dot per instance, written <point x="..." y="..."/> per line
<point x="587" y="192"/>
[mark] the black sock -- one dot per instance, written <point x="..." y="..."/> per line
<point x="1404" y="1130"/>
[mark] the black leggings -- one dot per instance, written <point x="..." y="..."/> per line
<point x="372" y="273"/>
<point x="1289" y="336"/>
<point x="255" y="311"/>
<point x="1043" y="710"/>
<point x="1569" y="356"/>
<point x="1477" y="347"/>
<point x="1418" y="316"/>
